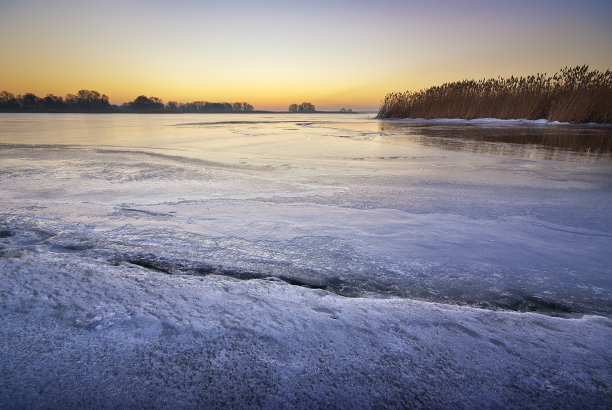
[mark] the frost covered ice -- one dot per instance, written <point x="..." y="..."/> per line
<point x="79" y="333"/>
<point x="282" y="261"/>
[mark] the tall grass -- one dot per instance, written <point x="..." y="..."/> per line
<point x="573" y="95"/>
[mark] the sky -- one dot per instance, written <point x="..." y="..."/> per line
<point x="273" y="53"/>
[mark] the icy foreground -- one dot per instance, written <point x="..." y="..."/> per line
<point x="296" y="261"/>
<point x="78" y="333"/>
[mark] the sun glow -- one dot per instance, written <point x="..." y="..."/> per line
<point x="273" y="54"/>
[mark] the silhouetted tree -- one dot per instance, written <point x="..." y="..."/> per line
<point x="145" y="104"/>
<point x="53" y="103"/>
<point x="87" y="101"/>
<point x="209" y="107"/>
<point x="306" y="107"/>
<point x="72" y="101"/>
<point x="303" y="107"/>
<point x="172" y="106"/>
<point x="8" y="102"/>
<point x="29" y="102"/>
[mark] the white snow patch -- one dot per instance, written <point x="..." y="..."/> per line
<point x="486" y="121"/>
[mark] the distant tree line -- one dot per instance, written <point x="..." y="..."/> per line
<point x="92" y="101"/>
<point x="83" y="101"/>
<point x="303" y="107"/>
<point x="571" y="95"/>
<point x="205" y="106"/>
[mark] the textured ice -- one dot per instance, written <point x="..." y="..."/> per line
<point x="303" y="261"/>
<point x="81" y="333"/>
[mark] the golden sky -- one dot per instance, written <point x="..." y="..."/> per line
<point x="273" y="53"/>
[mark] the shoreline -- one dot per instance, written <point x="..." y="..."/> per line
<point x="451" y="121"/>
<point x="158" y="260"/>
<point x="491" y="121"/>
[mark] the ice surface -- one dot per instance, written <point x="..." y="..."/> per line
<point x="80" y="333"/>
<point x="443" y="213"/>
<point x="299" y="261"/>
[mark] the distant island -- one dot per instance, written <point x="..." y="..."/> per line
<point x="307" y="107"/>
<point x="571" y="95"/>
<point x="90" y="101"/>
<point x="303" y="107"/>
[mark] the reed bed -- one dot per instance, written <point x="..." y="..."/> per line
<point x="572" y="95"/>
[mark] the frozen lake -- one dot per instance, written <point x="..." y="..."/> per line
<point x="499" y="215"/>
<point x="380" y="215"/>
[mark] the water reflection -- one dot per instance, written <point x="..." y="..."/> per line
<point x="558" y="142"/>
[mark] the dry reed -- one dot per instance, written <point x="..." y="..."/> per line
<point x="572" y="95"/>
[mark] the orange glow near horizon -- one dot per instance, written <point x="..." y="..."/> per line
<point x="272" y="54"/>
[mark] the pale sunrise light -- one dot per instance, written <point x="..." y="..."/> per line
<point x="273" y="53"/>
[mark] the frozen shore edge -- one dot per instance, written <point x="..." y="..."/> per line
<point x="488" y="121"/>
<point x="77" y="333"/>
